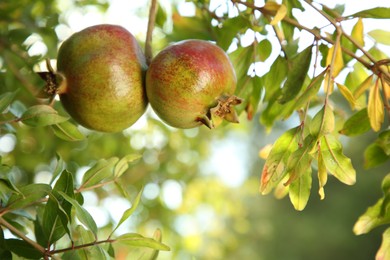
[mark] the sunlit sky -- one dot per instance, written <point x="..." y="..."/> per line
<point x="224" y="161"/>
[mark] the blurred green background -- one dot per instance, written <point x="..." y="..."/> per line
<point x="200" y="186"/>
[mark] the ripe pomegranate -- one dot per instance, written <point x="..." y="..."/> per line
<point x="102" y="69"/>
<point x="191" y="83"/>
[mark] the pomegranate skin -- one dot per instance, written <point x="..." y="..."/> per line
<point x="103" y="70"/>
<point x="186" y="80"/>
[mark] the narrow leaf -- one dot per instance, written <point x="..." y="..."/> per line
<point x="275" y="166"/>
<point x="378" y="12"/>
<point x="366" y="84"/>
<point x="298" y="67"/>
<point x="30" y="193"/>
<point x="57" y="211"/>
<point x="375" y="108"/>
<point x="23" y="249"/>
<point x="137" y="240"/>
<point x="60" y="166"/>
<point x="123" y="164"/>
<point x="310" y="91"/>
<point x="6" y="99"/>
<point x="358" y="32"/>
<point x="336" y="162"/>
<point x="67" y="131"/>
<point x="357" y="124"/>
<point x="280" y="14"/>
<point x="129" y="211"/>
<point x="100" y="171"/>
<point x="81" y="213"/>
<point x="347" y="94"/>
<point x="42" y="115"/>
<point x="338" y="62"/>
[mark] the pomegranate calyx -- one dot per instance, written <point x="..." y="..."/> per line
<point x="225" y="109"/>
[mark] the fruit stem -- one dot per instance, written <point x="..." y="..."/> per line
<point x="149" y="33"/>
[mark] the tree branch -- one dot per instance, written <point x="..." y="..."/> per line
<point x="58" y="251"/>
<point x="149" y="33"/>
<point x="18" y="233"/>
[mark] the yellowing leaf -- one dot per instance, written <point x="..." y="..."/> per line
<point x="322" y="175"/>
<point x="280" y="14"/>
<point x="386" y="90"/>
<point x="375" y="108"/>
<point x="338" y="62"/>
<point x="380" y="36"/>
<point x="366" y="84"/>
<point x="347" y="94"/>
<point x="264" y="152"/>
<point x="384" y="250"/>
<point x="271" y="6"/>
<point x="275" y="166"/>
<point x="357" y="32"/>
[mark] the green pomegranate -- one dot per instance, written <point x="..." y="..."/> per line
<point x="102" y="69"/>
<point x="191" y="83"/>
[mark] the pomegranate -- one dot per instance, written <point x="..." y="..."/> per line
<point x="102" y="69"/>
<point x="191" y="83"/>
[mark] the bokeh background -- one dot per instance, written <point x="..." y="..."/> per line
<point x="200" y="186"/>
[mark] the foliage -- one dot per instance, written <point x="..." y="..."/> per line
<point x="305" y="83"/>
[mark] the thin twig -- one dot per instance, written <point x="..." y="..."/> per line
<point x="18" y="233"/>
<point x="52" y="252"/>
<point x="317" y="34"/>
<point x="149" y="33"/>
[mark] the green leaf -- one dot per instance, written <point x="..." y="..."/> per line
<point x="92" y="252"/>
<point x="29" y="194"/>
<point x="230" y="29"/>
<point x="41" y="115"/>
<point x="298" y="67"/>
<point x="378" y="12"/>
<point x="273" y="79"/>
<point x="299" y="190"/>
<point x="137" y="240"/>
<point x="23" y="249"/>
<point x="129" y="211"/>
<point x="357" y="124"/>
<point x="264" y="49"/>
<point x="67" y="131"/>
<point x="100" y="171"/>
<point x="81" y="213"/>
<point x="384" y="141"/>
<point x="276" y="164"/>
<point x="323" y="122"/>
<point x="196" y="27"/>
<point x="60" y="166"/>
<point x="6" y="99"/>
<point x="384" y="250"/>
<point x="336" y="162"/>
<point x="123" y="164"/>
<point x="57" y="211"/>
<point x="310" y="91"/>
<point x="374" y="155"/>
